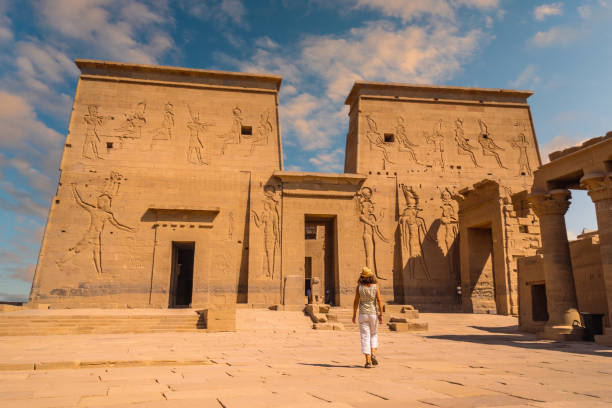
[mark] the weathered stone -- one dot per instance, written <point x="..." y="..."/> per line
<point x="408" y="326"/>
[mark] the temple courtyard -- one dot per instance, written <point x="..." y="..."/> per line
<point x="275" y="359"/>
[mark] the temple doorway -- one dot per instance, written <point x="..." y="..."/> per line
<point x="320" y="259"/>
<point x="482" y="274"/>
<point x="181" y="280"/>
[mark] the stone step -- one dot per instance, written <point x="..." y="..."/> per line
<point x="20" y="324"/>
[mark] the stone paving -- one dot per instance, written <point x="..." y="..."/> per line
<point x="276" y="360"/>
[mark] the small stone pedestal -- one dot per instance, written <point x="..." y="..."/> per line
<point x="404" y="318"/>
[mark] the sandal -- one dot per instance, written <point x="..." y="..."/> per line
<point x="368" y="365"/>
<point x="374" y="360"/>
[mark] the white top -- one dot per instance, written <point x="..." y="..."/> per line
<point x="367" y="299"/>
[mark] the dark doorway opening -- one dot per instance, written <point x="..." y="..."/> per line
<point x="308" y="276"/>
<point x="320" y="257"/>
<point x="181" y="280"/>
<point x="539" y="310"/>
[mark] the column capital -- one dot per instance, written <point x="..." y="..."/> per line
<point x="598" y="185"/>
<point x="552" y="202"/>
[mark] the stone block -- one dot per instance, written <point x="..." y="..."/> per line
<point x="293" y="290"/>
<point x="219" y="318"/>
<point x="332" y="317"/>
<point x="407" y="308"/>
<point x="409" y="326"/>
<point x="324" y="308"/>
<point x="318" y="318"/>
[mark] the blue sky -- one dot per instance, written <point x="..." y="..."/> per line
<point x="559" y="49"/>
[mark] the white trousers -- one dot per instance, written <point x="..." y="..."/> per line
<point x="368" y="329"/>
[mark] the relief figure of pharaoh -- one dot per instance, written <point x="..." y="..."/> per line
<point x="371" y="230"/>
<point x="413" y="231"/>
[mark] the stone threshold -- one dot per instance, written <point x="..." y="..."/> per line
<point x="63" y="365"/>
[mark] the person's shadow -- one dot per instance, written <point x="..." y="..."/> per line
<point x="331" y="365"/>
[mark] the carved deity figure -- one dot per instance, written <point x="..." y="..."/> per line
<point x="92" y="138"/>
<point x="377" y="140"/>
<point x="463" y="144"/>
<point x="99" y="215"/>
<point x="522" y="144"/>
<point x="449" y="228"/>
<point x="413" y="232"/>
<point x="234" y="135"/>
<point x="489" y="148"/>
<point x="196" y="149"/>
<point x="263" y="131"/>
<point x="165" y="131"/>
<point x="437" y="139"/>
<point x="370" y="219"/>
<point x="269" y="220"/>
<point x="133" y="123"/>
<point x="405" y="145"/>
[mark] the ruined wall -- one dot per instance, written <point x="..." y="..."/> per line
<point x="495" y="229"/>
<point x="156" y="155"/>
<point x="530" y="274"/>
<point x="588" y="274"/>
<point x="421" y="145"/>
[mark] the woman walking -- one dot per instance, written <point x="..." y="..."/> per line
<point x="367" y="298"/>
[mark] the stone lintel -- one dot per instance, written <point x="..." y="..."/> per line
<point x="435" y="92"/>
<point x="157" y="73"/>
<point x="324" y="178"/>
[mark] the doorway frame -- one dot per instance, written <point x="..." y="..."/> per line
<point x="175" y="247"/>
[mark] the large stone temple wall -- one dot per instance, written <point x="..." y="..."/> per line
<point x="419" y="146"/>
<point x="158" y="158"/>
<point x="155" y="156"/>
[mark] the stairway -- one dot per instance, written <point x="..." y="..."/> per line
<point x="90" y="321"/>
<point x="345" y="316"/>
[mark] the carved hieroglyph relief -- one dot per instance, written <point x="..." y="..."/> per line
<point x="413" y="233"/>
<point x="99" y="215"/>
<point x="269" y="221"/>
<point x="92" y="137"/>
<point x="405" y="145"/>
<point x="448" y="229"/>
<point x="371" y="219"/>
<point x="132" y="125"/>
<point x="196" y="150"/>
<point x="240" y="133"/>
<point x="489" y="148"/>
<point x="233" y="136"/>
<point x="463" y="144"/>
<point x="521" y="144"/>
<point x="165" y="131"/>
<point x="377" y="140"/>
<point x="437" y="139"/>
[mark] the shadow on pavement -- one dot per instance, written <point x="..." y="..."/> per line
<point x="512" y="337"/>
<point x="331" y="365"/>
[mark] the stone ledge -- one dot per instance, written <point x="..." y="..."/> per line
<point x="61" y="365"/>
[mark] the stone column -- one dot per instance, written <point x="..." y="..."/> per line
<point x="563" y="318"/>
<point x="599" y="187"/>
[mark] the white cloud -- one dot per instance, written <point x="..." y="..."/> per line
<point x="547" y="10"/>
<point x="266" y="42"/>
<point x="329" y="161"/>
<point x="382" y="52"/>
<point x="559" y="142"/>
<point x="234" y="9"/>
<point x="111" y="27"/>
<point x="409" y="10"/>
<point x="585" y="11"/>
<point x="527" y="78"/>
<point x="559" y="35"/>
